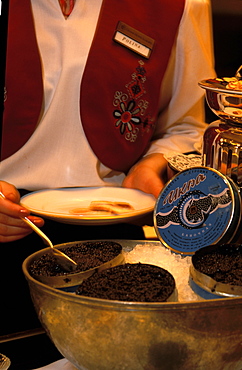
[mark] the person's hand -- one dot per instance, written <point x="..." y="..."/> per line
<point x="11" y="226"/>
<point x="148" y="175"/>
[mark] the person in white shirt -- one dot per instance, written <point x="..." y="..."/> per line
<point x="59" y="152"/>
<point x="60" y="136"/>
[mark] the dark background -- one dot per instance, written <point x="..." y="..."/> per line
<point x="227" y="34"/>
<point x="227" y="29"/>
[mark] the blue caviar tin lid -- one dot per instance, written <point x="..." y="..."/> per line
<point x="197" y="207"/>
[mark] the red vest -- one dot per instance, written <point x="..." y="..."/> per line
<point x="119" y="90"/>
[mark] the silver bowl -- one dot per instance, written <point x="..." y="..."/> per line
<point x="225" y="103"/>
<point x="113" y="335"/>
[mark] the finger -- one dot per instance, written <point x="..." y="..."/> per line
<point x="10" y="208"/>
<point x="9" y="191"/>
<point x="13" y="237"/>
<point x="15" y="228"/>
<point x="38" y="221"/>
<point x="10" y="232"/>
<point x="18" y="223"/>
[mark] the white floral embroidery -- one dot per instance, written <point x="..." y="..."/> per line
<point x="119" y="97"/>
<point x="143" y="105"/>
<point x="132" y="136"/>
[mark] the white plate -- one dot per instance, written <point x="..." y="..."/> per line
<point x="57" y="204"/>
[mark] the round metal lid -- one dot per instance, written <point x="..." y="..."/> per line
<point x="198" y="207"/>
<point x="216" y="270"/>
<point x="221" y="85"/>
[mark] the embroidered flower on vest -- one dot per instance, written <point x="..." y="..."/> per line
<point x="127" y="116"/>
<point x="130" y="112"/>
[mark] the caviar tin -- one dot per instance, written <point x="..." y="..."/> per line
<point x="215" y="271"/>
<point x="197" y="207"/>
<point x="69" y="280"/>
<point x="128" y="280"/>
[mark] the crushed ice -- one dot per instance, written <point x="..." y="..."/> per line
<point x="176" y="264"/>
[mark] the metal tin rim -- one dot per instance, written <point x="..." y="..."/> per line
<point x="72" y="279"/>
<point x="235" y="217"/>
<point x="209" y="284"/>
<point x="207" y="85"/>
<point x="121" y="305"/>
<point x="235" y="222"/>
<point x="214" y="287"/>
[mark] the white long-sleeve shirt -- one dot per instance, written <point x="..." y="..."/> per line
<point x="58" y="153"/>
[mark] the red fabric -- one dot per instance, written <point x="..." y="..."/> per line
<point x="66" y="6"/>
<point x="24" y="89"/>
<point x="117" y="129"/>
<point x="116" y="139"/>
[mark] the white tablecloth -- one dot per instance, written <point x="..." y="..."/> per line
<point x="63" y="364"/>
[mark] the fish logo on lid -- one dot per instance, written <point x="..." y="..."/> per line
<point x="198" y="207"/>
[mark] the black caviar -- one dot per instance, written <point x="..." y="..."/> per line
<point x="222" y="263"/>
<point x="87" y="255"/>
<point x="130" y="282"/>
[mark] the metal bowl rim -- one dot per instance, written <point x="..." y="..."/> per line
<point x="205" y="84"/>
<point x="123" y="305"/>
<point x="59" y="281"/>
<point x="207" y="283"/>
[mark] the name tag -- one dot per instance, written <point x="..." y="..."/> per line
<point x="134" y="40"/>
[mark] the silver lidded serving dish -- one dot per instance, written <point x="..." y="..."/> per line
<point x="222" y="139"/>
<point x="106" y="335"/>
<point x="224" y="97"/>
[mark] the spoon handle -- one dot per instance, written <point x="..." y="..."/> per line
<point x="65" y="261"/>
<point x="45" y="238"/>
